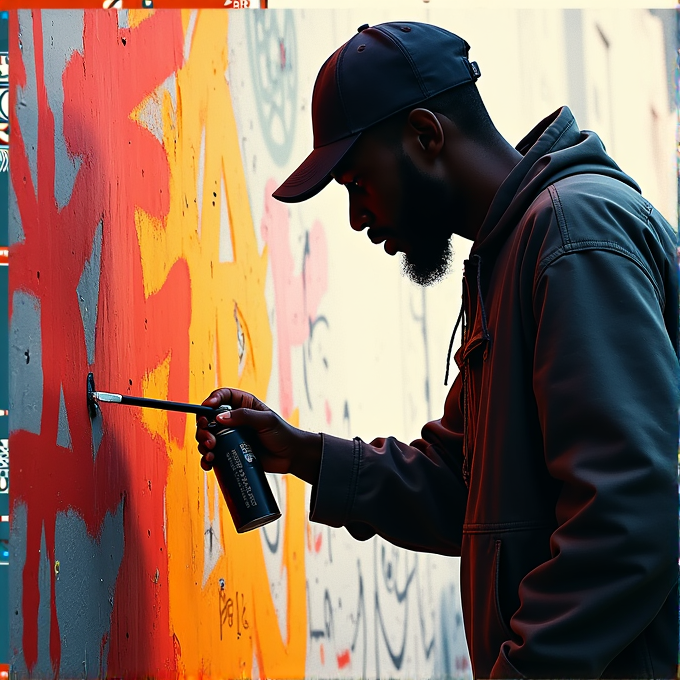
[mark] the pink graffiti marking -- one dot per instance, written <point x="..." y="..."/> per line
<point x="297" y="296"/>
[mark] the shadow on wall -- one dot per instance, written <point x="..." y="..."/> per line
<point x="88" y="499"/>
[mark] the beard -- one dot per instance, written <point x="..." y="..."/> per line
<point x="427" y="214"/>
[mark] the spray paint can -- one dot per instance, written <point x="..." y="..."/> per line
<point x="241" y="478"/>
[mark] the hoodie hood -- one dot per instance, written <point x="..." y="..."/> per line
<point x="553" y="150"/>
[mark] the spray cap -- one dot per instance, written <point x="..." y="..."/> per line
<point x="220" y="409"/>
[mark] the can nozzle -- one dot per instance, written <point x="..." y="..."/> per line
<point x="92" y="406"/>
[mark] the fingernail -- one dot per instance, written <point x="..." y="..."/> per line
<point x="223" y="416"/>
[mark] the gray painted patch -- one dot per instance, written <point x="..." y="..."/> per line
<point x="88" y="292"/>
<point x="97" y="434"/>
<point x="62" y="36"/>
<point x="123" y="19"/>
<point x="151" y="115"/>
<point x="17" y="547"/>
<point x="26" y="105"/>
<point x="25" y="364"/>
<point x="14" y="226"/>
<point x="88" y="570"/>
<point x="43" y="665"/>
<point x="63" y="430"/>
<point x="272" y="52"/>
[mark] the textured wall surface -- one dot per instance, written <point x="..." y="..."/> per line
<point x="145" y="247"/>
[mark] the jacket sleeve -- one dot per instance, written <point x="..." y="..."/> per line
<point x="606" y="386"/>
<point x="411" y="495"/>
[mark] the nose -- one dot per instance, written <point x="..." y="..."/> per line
<point x="359" y="217"/>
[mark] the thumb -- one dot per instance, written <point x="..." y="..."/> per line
<point x="247" y="417"/>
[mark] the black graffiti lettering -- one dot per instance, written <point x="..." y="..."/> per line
<point x="244" y="620"/>
<point x="241" y="620"/>
<point x="226" y="611"/>
<point x="314" y="633"/>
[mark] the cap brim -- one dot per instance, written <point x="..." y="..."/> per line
<point x="315" y="171"/>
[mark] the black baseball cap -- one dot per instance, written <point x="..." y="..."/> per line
<point x="380" y="71"/>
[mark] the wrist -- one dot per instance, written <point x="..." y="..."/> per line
<point x="308" y="462"/>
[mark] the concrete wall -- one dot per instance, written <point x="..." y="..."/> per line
<point x="145" y="247"/>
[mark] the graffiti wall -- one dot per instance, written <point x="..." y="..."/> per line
<point x="145" y="248"/>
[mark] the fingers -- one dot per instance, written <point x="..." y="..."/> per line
<point x="218" y="397"/>
<point x="235" y="399"/>
<point x="206" y="442"/>
<point x="261" y="421"/>
<point x="204" y="437"/>
<point x="248" y="411"/>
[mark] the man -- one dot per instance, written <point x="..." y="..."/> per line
<point x="552" y="472"/>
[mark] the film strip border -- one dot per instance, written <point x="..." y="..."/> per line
<point x="4" y="99"/>
<point x="4" y="232"/>
<point x="4" y="344"/>
<point x="4" y="476"/>
<point x="151" y="4"/>
<point x="132" y="4"/>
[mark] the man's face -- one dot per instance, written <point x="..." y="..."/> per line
<point x="409" y="210"/>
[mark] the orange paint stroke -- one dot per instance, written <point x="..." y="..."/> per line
<point x="218" y="630"/>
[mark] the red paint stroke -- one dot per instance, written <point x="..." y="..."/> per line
<point x="329" y="413"/>
<point x="102" y="647"/>
<point x="123" y="167"/>
<point x="343" y="659"/>
<point x="297" y="296"/>
<point x="317" y="543"/>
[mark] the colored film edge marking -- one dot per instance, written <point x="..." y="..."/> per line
<point x="115" y="5"/>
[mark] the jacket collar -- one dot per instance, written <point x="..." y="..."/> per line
<point x="554" y="149"/>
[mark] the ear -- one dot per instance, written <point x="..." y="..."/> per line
<point x="428" y="132"/>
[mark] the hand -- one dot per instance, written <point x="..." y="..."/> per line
<point x="279" y="447"/>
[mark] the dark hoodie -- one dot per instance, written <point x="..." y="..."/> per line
<point x="553" y="471"/>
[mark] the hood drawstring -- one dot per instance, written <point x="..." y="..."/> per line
<point x="453" y="335"/>
<point x="485" y="329"/>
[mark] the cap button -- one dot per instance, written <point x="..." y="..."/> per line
<point x="363" y="27"/>
<point x="406" y="29"/>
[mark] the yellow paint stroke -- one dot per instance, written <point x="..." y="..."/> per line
<point x="155" y="384"/>
<point x="136" y="16"/>
<point x="228" y="302"/>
